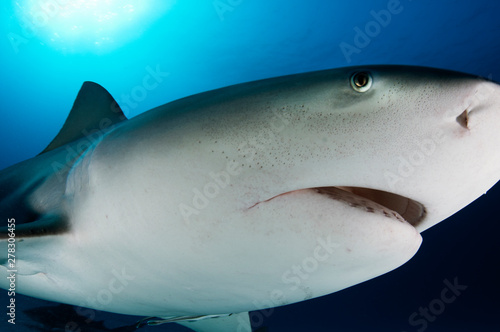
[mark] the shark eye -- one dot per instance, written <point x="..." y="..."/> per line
<point x="361" y="81"/>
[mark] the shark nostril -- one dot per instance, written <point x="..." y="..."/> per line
<point x="463" y="119"/>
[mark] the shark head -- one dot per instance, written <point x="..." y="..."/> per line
<point x="251" y="196"/>
<point x="422" y="142"/>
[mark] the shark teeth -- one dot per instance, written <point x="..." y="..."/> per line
<point x="377" y="201"/>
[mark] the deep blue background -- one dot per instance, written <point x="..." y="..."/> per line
<point x="202" y="49"/>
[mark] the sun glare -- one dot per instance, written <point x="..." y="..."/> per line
<point x="96" y="26"/>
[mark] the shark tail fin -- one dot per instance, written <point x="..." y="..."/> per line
<point x="94" y="110"/>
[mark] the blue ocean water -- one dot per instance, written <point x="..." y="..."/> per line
<point x="49" y="47"/>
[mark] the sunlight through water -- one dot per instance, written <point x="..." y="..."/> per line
<point x="83" y="26"/>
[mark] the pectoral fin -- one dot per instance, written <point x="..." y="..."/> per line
<point x="46" y="225"/>
<point x="210" y="323"/>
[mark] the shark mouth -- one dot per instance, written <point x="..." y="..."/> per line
<point x="374" y="201"/>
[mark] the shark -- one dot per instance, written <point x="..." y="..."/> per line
<point x="246" y="197"/>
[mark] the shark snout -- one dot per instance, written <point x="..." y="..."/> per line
<point x="484" y="98"/>
<point x="478" y="102"/>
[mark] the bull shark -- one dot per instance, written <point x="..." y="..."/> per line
<point x="247" y="197"/>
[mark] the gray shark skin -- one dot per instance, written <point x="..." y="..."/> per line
<point x="247" y="197"/>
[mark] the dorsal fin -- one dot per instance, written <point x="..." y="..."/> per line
<point x="93" y="108"/>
